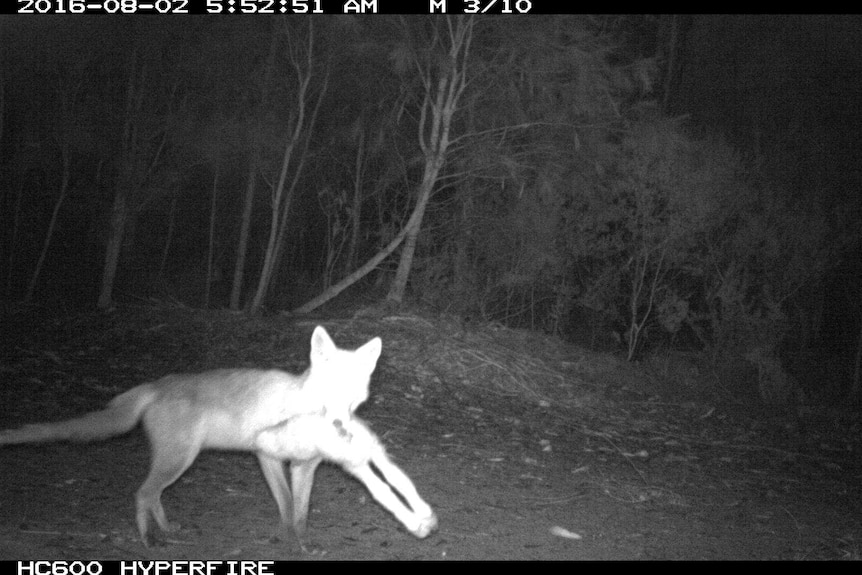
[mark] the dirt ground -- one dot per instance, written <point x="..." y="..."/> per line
<point x="527" y="448"/>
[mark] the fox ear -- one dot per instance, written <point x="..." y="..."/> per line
<point x="371" y="350"/>
<point x="321" y="343"/>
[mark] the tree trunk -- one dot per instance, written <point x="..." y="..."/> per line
<point x="372" y="263"/>
<point x="412" y="229"/>
<point x="242" y="244"/>
<point x="120" y="208"/>
<point x="438" y="107"/>
<point x="13" y="239"/>
<point x="169" y="235"/>
<point x="211" y="240"/>
<point x="283" y="194"/>
<point x="356" y="211"/>
<point x="855" y="391"/>
<point x="52" y="224"/>
<point x="670" y="63"/>
<point x="115" y="243"/>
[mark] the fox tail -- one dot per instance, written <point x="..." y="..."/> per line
<point x="121" y="415"/>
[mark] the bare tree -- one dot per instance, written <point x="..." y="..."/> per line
<point x="169" y="233"/>
<point x="211" y="272"/>
<point x="52" y="223"/>
<point x="293" y="157"/>
<point x="245" y="227"/>
<point x="856" y="388"/>
<point x="253" y="161"/>
<point x="356" y="204"/>
<point x="137" y="159"/>
<point x="442" y="70"/>
<point x="13" y="234"/>
<point x="443" y="81"/>
<point x="68" y="90"/>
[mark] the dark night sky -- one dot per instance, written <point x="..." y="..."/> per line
<point x="747" y="70"/>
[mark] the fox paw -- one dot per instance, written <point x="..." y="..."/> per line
<point x="426" y="526"/>
<point x="312" y="549"/>
<point x="151" y="539"/>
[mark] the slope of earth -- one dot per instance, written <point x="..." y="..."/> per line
<point x="526" y="447"/>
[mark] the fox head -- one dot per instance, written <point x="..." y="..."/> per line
<point x="339" y="378"/>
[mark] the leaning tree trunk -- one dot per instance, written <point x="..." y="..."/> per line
<point x="414" y="226"/>
<point x="439" y="102"/>
<point x="438" y="107"/>
<point x="283" y="193"/>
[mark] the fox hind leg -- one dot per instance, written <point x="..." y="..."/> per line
<point x="170" y="459"/>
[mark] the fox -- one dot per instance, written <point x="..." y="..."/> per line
<point x="245" y="410"/>
<point x="308" y="439"/>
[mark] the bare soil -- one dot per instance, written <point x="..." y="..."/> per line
<point x="527" y="448"/>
